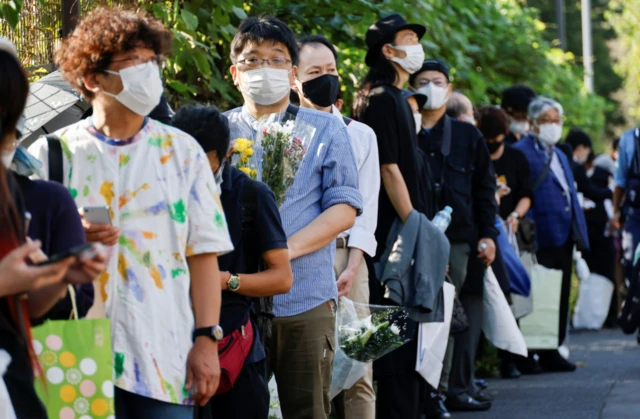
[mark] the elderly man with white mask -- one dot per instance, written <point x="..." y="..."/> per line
<point x="559" y="219"/>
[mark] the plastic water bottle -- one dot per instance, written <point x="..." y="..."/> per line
<point x="443" y="219"/>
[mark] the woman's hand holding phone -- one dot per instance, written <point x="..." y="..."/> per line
<point x="95" y="232"/>
<point x="89" y="265"/>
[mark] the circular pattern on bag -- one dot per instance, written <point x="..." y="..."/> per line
<point x="37" y="346"/>
<point x="49" y="358"/>
<point x="53" y="342"/>
<point x="67" y="413"/>
<point x="74" y="376"/>
<point x="99" y="407"/>
<point x="55" y="375"/>
<point x="88" y="366"/>
<point x="107" y="389"/>
<point x="68" y="393"/>
<point x="81" y="405"/>
<point x="67" y="359"/>
<point x="88" y="388"/>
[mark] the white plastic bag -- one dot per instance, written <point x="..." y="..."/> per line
<point x="522" y="306"/>
<point x="594" y="299"/>
<point x="346" y="371"/>
<point x="498" y="323"/>
<point x="432" y="341"/>
<point x="274" y="402"/>
<point x="6" y="408"/>
<point x="540" y="328"/>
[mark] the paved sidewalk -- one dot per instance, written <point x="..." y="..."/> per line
<point x="605" y="386"/>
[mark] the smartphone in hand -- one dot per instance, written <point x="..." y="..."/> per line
<point x="77" y="251"/>
<point x="97" y="214"/>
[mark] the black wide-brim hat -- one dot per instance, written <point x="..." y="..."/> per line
<point x="420" y="97"/>
<point x="383" y="31"/>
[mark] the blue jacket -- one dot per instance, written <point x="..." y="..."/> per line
<point x="556" y="222"/>
<point x="413" y="267"/>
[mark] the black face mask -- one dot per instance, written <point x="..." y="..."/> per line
<point x="493" y="147"/>
<point x="322" y="91"/>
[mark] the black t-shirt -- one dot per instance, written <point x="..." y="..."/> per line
<point x="512" y="169"/>
<point x="390" y="117"/>
<point x="269" y="235"/>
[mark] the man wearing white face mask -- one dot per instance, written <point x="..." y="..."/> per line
<point x="560" y="222"/>
<point x="515" y="102"/>
<point x="461" y="176"/>
<point x="161" y="290"/>
<point x="323" y="202"/>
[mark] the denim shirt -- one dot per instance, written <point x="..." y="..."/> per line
<point x="328" y="176"/>
<point x="625" y="158"/>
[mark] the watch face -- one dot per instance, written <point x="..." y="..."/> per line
<point x="234" y="283"/>
<point x="218" y="333"/>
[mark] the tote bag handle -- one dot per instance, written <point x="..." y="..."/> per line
<point x="74" y="303"/>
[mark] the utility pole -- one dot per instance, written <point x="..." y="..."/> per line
<point x="587" y="45"/>
<point x="70" y="15"/>
<point x="562" y="24"/>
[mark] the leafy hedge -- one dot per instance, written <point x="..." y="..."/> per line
<point x="489" y="45"/>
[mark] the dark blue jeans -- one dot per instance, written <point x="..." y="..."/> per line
<point x="133" y="406"/>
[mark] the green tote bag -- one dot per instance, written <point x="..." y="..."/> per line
<point x="77" y="363"/>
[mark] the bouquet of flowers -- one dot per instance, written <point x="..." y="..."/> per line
<point x="368" y="337"/>
<point x="276" y="153"/>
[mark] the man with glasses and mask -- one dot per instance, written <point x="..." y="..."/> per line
<point x="161" y="290"/>
<point x="323" y="202"/>
<point x="461" y="176"/>
<point x="318" y="85"/>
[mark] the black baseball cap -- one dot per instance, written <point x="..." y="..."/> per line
<point x="420" y="98"/>
<point x="431" y="64"/>
<point x="383" y="31"/>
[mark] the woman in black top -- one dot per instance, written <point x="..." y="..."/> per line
<point x="393" y="54"/>
<point x="511" y="166"/>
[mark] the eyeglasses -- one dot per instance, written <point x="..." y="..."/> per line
<point x="276" y="62"/>
<point x="140" y="63"/>
<point x="437" y="82"/>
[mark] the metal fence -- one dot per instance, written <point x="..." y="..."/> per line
<point x="37" y="35"/>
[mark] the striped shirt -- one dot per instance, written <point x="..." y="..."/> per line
<point x="328" y="176"/>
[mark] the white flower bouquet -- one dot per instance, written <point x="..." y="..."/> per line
<point x="375" y="332"/>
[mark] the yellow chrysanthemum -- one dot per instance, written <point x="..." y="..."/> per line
<point x="246" y="170"/>
<point x="254" y="173"/>
<point x="241" y="144"/>
<point x="248" y="152"/>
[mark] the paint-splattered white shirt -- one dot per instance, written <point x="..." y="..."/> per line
<point x="163" y="198"/>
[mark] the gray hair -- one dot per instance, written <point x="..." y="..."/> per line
<point x="542" y="104"/>
<point x="458" y="104"/>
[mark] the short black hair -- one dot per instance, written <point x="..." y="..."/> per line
<point x="318" y="40"/>
<point x="616" y="144"/>
<point x="264" y="29"/>
<point x="577" y="137"/>
<point x="517" y="98"/>
<point x="492" y="122"/>
<point x="14" y="89"/>
<point x="207" y="125"/>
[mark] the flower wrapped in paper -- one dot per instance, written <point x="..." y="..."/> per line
<point x="368" y="332"/>
<point x="276" y="153"/>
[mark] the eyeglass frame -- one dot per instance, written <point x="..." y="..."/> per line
<point x="262" y="62"/>
<point x="159" y="60"/>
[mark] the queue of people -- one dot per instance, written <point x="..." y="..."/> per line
<point x="211" y="286"/>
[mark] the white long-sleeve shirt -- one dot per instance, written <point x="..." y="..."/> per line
<point x="365" y="149"/>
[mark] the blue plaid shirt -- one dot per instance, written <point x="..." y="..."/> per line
<point x="328" y="176"/>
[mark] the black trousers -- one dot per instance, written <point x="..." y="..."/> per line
<point x="249" y="398"/>
<point x="402" y="396"/>
<point x="560" y="258"/>
<point x="466" y="344"/>
<point x="601" y="261"/>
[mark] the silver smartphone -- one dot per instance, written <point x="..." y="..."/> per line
<point x="97" y="214"/>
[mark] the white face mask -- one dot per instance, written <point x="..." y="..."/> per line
<point x="581" y="160"/>
<point x="7" y="157"/>
<point x="550" y="133"/>
<point x="265" y="86"/>
<point x="413" y="60"/>
<point x="418" y="119"/>
<point x="519" y="128"/>
<point x="437" y="96"/>
<point x="218" y="174"/>
<point x="141" y="87"/>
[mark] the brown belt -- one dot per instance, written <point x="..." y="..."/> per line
<point x="342" y="242"/>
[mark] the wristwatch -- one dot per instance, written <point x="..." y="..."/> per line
<point x="233" y="284"/>
<point x="515" y="214"/>
<point x="214" y="332"/>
